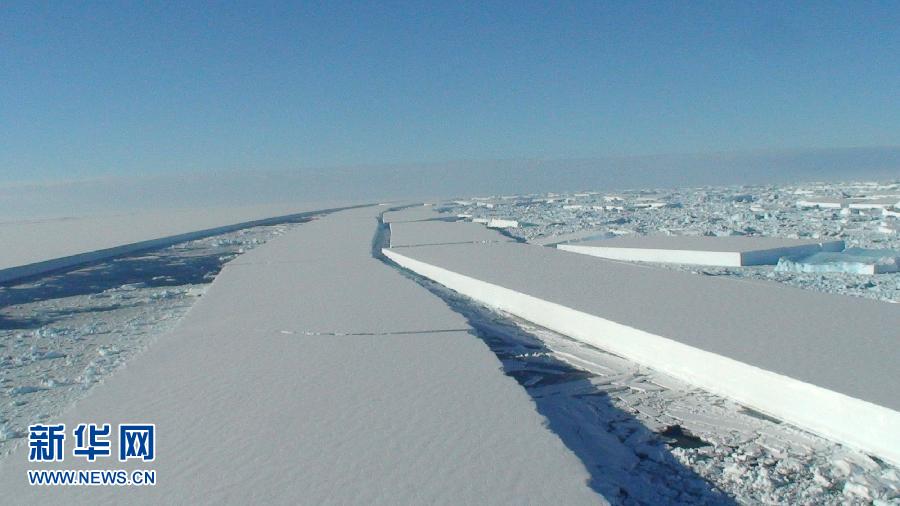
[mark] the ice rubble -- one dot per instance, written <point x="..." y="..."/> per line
<point x="767" y="210"/>
<point x="752" y="458"/>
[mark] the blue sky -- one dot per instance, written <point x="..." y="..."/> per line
<point x="135" y="88"/>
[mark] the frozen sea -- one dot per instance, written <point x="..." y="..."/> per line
<point x="645" y="438"/>
<point x="752" y="211"/>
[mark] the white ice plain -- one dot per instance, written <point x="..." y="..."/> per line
<point x="34" y="246"/>
<point x="312" y="372"/>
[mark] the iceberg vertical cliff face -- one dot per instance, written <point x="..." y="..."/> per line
<point x="850" y="261"/>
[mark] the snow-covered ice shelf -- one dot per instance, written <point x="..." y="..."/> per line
<point x="61" y="334"/>
<point x="32" y="247"/>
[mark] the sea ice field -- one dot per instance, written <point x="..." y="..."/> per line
<point x="645" y="438"/>
<point x="773" y="211"/>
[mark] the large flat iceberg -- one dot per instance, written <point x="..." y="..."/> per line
<point x="826" y="363"/>
<point x="701" y="250"/>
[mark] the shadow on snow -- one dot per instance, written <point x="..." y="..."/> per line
<point x="628" y="463"/>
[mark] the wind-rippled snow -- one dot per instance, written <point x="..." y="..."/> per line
<point x="62" y="333"/>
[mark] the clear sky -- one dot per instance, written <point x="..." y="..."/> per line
<point x="100" y="88"/>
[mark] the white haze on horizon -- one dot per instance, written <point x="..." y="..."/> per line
<point x="454" y="179"/>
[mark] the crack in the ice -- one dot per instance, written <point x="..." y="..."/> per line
<point x="628" y="463"/>
<point x="445" y="244"/>
<point x="386" y="333"/>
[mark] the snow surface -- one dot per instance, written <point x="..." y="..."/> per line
<point x="420" y="233"/>
<point x="64" y="332"/>
<point x="311" y="372"/>
<point x="820" y="365"/>
<point x="35" y="246"/>
<point x="412" y="213"/>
